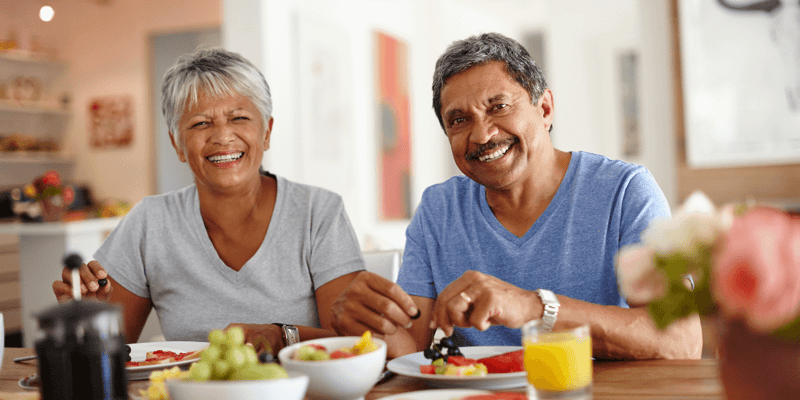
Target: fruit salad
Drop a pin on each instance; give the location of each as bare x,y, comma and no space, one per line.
447,359
317,352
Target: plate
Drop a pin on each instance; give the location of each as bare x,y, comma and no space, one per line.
139,353
408,365
436,394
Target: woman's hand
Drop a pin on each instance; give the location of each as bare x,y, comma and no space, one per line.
262,337
94,283
480,301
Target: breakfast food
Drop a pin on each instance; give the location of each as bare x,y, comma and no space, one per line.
164,357
226,358
447,359
316,352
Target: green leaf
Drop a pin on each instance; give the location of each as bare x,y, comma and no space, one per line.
677,303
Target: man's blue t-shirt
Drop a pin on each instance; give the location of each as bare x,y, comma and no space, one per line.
601,205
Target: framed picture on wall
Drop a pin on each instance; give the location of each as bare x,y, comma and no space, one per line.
740,63
393,107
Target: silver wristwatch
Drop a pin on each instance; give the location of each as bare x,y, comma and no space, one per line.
290,334
551,305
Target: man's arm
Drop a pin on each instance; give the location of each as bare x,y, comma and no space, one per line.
479,300
629,333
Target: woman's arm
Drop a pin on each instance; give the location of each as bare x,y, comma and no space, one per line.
260,335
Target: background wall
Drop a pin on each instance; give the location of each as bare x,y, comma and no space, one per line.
583,39
107,48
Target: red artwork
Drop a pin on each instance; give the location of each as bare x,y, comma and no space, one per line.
111,121
394,127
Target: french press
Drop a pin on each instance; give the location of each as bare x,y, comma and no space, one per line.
81,349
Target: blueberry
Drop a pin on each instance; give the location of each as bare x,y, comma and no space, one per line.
102,282
454,351
446,342
266,357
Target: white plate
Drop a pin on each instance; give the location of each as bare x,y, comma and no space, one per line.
139,353
408,365
436,394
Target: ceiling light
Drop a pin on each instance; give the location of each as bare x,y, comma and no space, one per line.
46,13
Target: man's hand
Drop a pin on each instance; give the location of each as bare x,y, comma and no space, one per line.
374,303
479,300
92,275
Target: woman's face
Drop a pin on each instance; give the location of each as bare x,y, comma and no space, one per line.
223,140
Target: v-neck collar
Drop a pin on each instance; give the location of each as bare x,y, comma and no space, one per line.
208,247
561,194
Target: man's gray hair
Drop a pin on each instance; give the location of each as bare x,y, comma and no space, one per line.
481,49
216,72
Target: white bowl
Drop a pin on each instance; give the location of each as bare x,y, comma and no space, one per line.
291,388
340,379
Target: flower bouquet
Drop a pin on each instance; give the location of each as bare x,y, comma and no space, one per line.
744,265
48,192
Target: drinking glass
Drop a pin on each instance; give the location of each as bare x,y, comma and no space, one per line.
558,362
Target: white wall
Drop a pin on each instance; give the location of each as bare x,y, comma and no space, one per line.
583,38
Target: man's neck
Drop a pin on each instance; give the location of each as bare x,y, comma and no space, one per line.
518,207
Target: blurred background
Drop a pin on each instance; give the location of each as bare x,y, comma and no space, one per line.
351,82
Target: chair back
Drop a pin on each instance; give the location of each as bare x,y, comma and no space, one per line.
385,263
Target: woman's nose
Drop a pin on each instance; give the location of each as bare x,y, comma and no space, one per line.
223,133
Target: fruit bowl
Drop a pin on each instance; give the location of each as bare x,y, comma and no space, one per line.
340,379
291,388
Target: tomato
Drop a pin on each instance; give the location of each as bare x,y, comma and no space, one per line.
427,369
504,363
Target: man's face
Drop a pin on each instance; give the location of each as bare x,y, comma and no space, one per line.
495,132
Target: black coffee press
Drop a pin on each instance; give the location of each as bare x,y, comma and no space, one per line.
81,348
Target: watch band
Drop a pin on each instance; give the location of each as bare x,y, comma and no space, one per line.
289,334
551,304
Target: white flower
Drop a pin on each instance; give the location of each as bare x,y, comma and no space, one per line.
638,281
696,224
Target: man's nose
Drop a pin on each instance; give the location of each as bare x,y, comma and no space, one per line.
483,131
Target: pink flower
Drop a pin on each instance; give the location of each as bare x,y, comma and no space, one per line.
638,281
756,275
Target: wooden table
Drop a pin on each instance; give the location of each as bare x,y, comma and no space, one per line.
658,379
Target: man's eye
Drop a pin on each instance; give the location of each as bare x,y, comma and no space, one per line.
500,106
456,121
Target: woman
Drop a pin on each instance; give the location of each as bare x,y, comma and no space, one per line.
240,246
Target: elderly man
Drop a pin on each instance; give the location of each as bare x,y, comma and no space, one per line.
530,232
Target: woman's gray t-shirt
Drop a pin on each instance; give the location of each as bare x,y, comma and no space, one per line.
161,251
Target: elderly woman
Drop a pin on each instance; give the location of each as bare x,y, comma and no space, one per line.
240,246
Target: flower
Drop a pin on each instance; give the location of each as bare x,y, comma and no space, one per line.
744,263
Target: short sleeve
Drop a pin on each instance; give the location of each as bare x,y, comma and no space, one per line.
122,253
415,275
335,249
642,203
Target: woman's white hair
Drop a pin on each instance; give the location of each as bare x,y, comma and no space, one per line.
216,72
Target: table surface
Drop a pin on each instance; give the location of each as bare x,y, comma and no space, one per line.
652,379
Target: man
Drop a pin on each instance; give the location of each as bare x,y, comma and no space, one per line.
526,216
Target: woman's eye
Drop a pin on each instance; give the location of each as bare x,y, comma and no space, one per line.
199,124
240,118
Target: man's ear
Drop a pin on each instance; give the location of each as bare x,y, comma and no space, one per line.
268,133
547,106
178,149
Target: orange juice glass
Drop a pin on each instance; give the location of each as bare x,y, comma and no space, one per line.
558,363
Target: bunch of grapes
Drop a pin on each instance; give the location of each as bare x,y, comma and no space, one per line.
228,358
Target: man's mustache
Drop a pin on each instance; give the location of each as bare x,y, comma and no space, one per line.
489,146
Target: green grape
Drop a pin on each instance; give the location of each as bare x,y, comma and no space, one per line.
200,371
236,357
235,336
211,354
220,370
258,372
217,337
250,352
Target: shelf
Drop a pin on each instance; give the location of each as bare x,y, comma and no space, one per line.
34,158
30,58
38,108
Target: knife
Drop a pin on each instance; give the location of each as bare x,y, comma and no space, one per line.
23,359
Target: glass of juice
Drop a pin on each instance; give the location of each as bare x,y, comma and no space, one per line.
558,362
